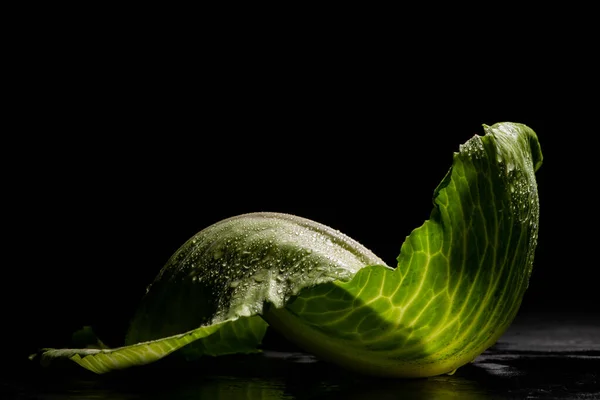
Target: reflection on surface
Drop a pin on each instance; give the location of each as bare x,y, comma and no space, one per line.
287,375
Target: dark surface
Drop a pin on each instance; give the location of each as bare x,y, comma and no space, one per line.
541,356
126,140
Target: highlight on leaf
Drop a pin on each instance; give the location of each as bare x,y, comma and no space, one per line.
457,286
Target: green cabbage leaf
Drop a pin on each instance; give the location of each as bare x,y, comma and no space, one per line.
458,284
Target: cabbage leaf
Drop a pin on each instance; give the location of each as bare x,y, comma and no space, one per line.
457,286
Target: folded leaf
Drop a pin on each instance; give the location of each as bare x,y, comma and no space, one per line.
458,285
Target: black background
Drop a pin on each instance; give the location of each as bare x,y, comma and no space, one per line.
122,148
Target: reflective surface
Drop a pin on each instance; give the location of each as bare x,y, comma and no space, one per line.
539,357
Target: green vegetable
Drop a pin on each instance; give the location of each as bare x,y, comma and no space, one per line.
458,285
